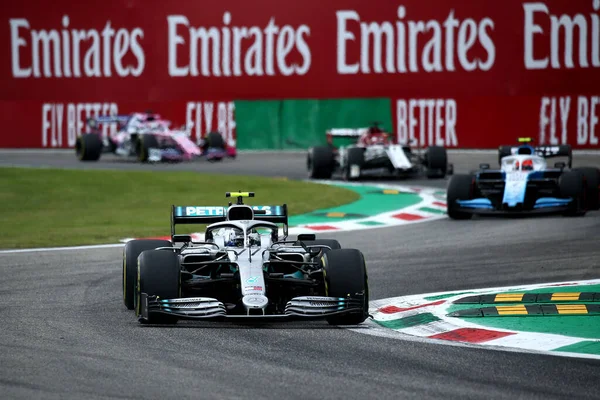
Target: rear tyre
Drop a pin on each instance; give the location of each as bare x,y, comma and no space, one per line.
159,275
215,140
143,145
503,151
131,253
88,147
565,150
334,244
460,187
437,162
320,162
572,184
345,275
592,186
355,157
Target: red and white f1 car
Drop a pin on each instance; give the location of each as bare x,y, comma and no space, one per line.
147,137
374,151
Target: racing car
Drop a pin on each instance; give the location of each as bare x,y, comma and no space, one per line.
243,270
374,151
147,137
525,184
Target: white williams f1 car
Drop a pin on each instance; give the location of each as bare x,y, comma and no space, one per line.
525,184
243,270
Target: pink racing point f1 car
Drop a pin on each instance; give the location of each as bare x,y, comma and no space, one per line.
148,138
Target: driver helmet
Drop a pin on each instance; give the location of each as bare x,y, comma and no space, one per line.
527,165
254,237
378,138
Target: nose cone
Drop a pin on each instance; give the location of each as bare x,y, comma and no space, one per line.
254,302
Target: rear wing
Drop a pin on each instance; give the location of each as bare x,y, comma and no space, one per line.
104,119
546,151
344,133
190,215
347,132
93,122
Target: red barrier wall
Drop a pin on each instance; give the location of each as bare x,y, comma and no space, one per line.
468,73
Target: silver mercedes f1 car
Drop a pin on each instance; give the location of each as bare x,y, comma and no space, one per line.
243,270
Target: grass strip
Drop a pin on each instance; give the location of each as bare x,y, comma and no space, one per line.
60,207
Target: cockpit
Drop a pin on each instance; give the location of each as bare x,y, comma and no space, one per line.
524,164
240,235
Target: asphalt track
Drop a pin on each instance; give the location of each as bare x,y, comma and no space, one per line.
66,333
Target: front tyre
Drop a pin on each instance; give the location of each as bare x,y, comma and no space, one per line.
437,162
320,162
88,147
460,187
131,252
355,159
345,276
159,274
572,184
592,186
144,143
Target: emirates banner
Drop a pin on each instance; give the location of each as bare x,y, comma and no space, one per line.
467,74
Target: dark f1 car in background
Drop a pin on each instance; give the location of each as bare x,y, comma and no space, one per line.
243,269
375,151
525,184
147,137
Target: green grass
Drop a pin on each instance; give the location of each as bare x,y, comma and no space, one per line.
56,207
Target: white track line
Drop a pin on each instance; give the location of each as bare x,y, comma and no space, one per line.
87,247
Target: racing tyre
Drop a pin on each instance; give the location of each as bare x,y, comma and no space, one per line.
131,253
437,162
460,187
572,184
355,156
215,140
320,162
565,150
345,275
143,145
592,186
88,147
503,151
334,244
159,275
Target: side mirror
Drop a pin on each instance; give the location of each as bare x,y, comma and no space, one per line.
484,166
182,238
560,165
307,236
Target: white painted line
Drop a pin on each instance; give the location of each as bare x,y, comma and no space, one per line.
86,247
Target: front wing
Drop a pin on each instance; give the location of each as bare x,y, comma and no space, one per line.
543,205
206,308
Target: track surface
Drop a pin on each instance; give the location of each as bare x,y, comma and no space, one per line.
66,333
